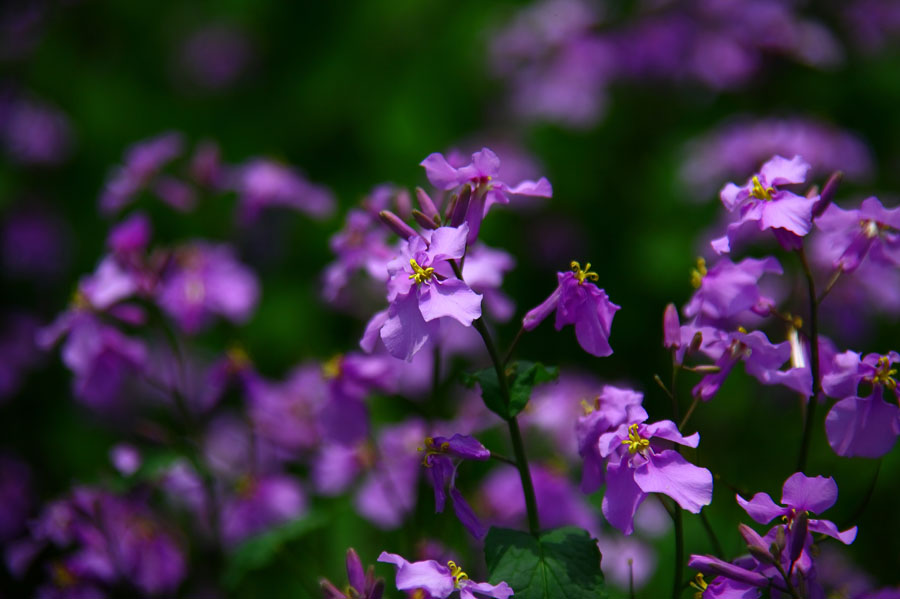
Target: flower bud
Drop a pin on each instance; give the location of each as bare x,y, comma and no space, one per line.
827,195
799,529
671,328
423,220
396,225
460,207
427,205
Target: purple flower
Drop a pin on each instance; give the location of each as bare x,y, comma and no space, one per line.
737,147
441,473
480,175
800,494
360,248
613,407
559,502
626,560
130,236
259,503
203,280
728,289
16,496
388,492
422,288
362,584
18,351
640,462
113,541
761,358
441,581
584,305
862,426
216,55
36,133
851,235
763,206
143,162
265,183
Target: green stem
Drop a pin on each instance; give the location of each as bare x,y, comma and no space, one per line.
717,547
679,550
814,362
515,434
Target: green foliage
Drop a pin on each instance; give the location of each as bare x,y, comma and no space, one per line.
259,551
564,562
521,378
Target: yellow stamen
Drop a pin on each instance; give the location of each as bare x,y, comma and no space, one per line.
583,273
884,374
420,275
431,449
587,407
759,192
80,300
458,574
700,585
698,273
332,368
63,577
238,357
635,442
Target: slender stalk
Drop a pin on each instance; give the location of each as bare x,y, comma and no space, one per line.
868,496
814,362
630,578
512,346
828,286
717,547
502,458
689,413
515,434
436,370
675,367
679,550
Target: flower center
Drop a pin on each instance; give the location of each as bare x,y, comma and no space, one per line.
635,441
759,192
431,449
884,374
420,275
583,273
698,273
457,572
699,585
332,368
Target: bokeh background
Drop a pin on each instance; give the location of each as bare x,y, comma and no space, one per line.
636,112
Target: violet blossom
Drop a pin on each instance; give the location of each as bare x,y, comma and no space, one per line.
584,305
640,461
441,473
422,288
728,289
203,280
263,183
142,163
763,206
362,584
852,235
441,581
862,426
480,176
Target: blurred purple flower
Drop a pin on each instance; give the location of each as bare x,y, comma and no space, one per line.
35,133
362,584
262,183
140,166
216,55
16,496
35,242
259,503
728,289
18,351
852,235
737,147
204,280
441,473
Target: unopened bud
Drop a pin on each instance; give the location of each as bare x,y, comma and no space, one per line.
696,341
799,529
755,545
423,220
403,201
828,192
396,225
427,205
671,328
460,207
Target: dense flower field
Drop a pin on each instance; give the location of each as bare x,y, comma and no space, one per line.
543,300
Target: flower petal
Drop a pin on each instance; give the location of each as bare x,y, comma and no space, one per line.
451,298
669,473
814,494
622,497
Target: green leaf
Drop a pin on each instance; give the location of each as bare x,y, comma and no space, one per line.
521,378
527,375
257,552
564,562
